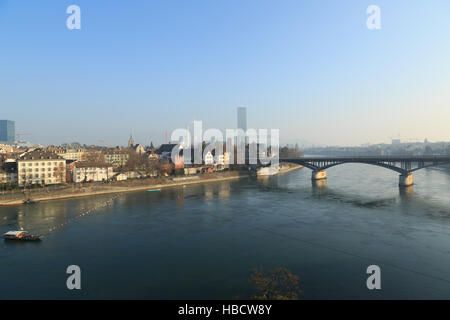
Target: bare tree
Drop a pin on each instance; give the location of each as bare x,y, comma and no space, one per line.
95,156
60,173
277,284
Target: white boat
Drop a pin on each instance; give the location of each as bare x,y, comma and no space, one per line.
20,236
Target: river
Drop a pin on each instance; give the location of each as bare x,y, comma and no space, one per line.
202,241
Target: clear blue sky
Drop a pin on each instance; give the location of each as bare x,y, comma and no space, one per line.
309,68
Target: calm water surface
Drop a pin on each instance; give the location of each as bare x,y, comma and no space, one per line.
201,242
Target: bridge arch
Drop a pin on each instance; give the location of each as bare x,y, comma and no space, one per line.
378,164
404,165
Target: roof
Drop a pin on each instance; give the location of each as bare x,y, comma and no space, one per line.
40,155
166,148
90,164
14,233
113,152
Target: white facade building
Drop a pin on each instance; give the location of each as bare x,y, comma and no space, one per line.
87,171
73,154
38,167
209,158
222,159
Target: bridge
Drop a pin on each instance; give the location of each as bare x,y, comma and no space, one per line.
405,165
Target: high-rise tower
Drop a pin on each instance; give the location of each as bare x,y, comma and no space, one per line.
7,131
241,125
242,118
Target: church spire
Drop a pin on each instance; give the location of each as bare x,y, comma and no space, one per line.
131,142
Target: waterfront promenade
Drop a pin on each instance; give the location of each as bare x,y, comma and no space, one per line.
91,189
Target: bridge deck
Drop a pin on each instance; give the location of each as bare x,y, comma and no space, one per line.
401,164
374,158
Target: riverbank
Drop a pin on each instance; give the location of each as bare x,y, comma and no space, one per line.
283,168
289,167
129,186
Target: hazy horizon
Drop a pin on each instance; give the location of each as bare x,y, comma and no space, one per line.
146,68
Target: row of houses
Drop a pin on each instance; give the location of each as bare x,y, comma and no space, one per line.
54,165
209,158
48,168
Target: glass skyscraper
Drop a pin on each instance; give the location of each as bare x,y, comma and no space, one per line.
242,125
242,118
7,131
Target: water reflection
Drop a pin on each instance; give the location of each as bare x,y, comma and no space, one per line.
183,242
319,184
406,193
208,192
224,191
266,181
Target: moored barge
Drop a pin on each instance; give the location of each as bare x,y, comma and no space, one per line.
21,236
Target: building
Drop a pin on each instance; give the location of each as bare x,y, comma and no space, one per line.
4,149
165,150
241,124
86,171
74,154
139,149
179,160
242,118
121,177
221,159
41,167
117,158
152,155
131,142
68,154
7,131
209,158
8,172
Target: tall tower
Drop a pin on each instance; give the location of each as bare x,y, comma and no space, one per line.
7,131
241,124
131,142
242,118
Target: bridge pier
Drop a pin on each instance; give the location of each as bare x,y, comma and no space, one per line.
319,184
319,175
406,180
